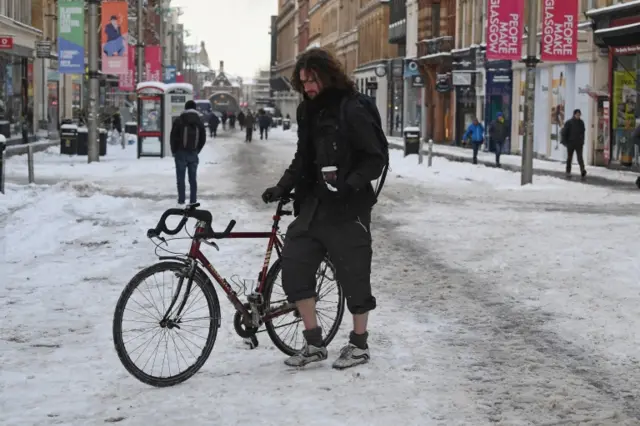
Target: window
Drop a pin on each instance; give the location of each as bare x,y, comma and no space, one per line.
435,20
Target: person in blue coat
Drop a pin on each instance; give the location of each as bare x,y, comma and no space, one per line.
475,132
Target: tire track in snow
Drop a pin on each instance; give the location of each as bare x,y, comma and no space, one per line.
520,370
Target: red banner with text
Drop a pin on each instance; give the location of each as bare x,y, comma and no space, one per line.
505,29
127,82
559,31
153,65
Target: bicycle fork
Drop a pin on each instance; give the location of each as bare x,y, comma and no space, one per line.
189,275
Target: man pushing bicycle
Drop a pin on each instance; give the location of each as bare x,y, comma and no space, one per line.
341,149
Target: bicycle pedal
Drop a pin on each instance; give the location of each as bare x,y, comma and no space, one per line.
252,342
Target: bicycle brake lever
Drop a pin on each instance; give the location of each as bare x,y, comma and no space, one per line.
212,244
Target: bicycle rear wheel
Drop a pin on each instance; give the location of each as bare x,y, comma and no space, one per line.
146,301
286,330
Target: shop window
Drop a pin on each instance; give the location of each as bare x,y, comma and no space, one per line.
623,109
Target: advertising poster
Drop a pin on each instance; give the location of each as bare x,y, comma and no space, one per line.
152,63
559,31
623,107
541,119
114,41
557,116
127,82
505,29
71,36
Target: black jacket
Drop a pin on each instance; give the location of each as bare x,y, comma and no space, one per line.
573,133
192,118
214,121
499,131
359,158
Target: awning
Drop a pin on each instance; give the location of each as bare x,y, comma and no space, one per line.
280,84
623,35
608,35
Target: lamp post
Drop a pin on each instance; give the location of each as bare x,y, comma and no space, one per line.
531,60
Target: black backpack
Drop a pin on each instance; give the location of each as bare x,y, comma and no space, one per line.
190,137
370,105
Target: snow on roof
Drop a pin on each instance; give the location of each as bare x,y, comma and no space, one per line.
151,84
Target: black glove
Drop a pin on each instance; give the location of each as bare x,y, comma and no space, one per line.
273,194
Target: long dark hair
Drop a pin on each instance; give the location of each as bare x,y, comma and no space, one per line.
326,66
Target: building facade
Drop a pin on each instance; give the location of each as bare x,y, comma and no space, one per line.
285,100
372,74
436,35
346,44
17,69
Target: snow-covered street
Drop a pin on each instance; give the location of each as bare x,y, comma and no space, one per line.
497,304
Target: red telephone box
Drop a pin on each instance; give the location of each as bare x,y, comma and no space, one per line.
151,119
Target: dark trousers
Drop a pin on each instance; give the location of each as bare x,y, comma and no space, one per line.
348,243
187,162
579,157
249,134
476,147
264,131
214,131
499,145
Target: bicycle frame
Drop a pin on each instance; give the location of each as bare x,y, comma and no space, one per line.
274,242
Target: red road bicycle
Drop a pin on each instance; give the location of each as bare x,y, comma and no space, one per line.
163,321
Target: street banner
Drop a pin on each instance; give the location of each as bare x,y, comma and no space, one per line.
505,29
559,31
153,63
71,36
127,82
114,42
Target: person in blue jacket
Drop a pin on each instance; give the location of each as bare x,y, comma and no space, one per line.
475,132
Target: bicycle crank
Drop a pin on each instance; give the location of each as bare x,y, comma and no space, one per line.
248,334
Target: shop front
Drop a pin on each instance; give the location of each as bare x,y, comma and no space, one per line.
435,61
498,97
371,79
395,95
413,86
617,28
16,106
463,78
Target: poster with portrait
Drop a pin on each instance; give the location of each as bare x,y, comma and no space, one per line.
558,113
114,41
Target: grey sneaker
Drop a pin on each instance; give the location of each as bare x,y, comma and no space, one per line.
306,356
350,356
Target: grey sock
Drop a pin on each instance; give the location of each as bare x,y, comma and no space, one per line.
359,340
313,336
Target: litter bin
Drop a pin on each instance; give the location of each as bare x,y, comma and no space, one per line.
5,129
83,141
102,142
286,124
131,128
68,139
412,143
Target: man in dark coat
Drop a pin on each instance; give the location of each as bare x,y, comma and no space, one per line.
499,132
331,172
572,136
214,122
249,120
264,121
241,120
188,136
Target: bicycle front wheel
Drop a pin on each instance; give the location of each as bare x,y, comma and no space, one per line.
160,347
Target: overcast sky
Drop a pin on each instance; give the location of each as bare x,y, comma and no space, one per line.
234,31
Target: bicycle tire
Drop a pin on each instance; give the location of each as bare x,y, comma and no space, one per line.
201,280
273,273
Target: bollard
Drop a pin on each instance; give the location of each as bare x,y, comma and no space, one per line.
30,163
430,155
2,164
420,151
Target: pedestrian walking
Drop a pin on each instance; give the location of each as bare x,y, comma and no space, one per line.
499,132
572,136
475,132
188,136
249,120
214,122
341,149
264,122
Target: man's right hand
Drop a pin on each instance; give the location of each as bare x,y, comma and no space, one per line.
273,194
